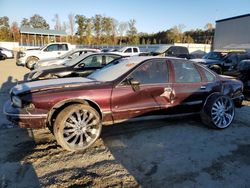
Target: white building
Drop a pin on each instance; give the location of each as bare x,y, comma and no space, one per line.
232,33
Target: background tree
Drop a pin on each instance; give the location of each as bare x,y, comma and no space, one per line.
132,32
25,22
121,30
37,21
80,20
209,26
5,34
97,27
88,31
106,28
58,25
15,31
71,18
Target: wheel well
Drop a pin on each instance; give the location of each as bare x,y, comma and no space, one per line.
59,107
28,58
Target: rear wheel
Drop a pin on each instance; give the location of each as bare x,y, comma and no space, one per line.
218,112
31,62
77,127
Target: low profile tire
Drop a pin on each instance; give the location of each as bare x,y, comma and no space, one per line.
31,62
77,127
218,112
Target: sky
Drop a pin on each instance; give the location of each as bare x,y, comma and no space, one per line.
151,15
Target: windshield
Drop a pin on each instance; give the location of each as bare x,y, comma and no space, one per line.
113,70
122,49
76,60
215,55
161,49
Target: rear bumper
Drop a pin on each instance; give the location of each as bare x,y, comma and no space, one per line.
25,118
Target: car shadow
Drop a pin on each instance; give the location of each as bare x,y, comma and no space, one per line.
146,149
16,144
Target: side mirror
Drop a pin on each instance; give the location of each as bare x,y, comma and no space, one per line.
81,65
70,57
135,84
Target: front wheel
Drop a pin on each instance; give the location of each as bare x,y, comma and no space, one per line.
218,112
77,127
31,62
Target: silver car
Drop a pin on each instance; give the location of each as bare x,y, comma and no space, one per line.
61,59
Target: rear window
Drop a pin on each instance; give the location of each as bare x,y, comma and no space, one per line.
185,72
135,50
63,47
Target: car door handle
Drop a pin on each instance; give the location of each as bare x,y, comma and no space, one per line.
203,87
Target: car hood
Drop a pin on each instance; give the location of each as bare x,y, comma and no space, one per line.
50,67
49,62
30,87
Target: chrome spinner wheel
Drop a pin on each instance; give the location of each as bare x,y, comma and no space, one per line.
222,112
77,127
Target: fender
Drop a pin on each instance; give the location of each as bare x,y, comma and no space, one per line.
62,104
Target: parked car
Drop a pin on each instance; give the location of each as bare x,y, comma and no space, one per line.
2,56
61,59
7,54
83,65
224,60
242,72
29,57
169,51
75,109
128,51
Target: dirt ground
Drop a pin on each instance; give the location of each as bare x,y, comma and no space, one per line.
179,152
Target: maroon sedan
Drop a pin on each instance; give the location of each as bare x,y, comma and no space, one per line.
76,108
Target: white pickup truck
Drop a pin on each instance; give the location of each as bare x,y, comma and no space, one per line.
128,51
29,57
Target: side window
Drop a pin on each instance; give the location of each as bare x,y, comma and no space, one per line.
63,47
151,72
185,72
210,77
135,50
92,61
51,48
129,50
110,58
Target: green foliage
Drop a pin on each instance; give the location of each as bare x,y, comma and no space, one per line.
37,21
25,22
5,34
4,22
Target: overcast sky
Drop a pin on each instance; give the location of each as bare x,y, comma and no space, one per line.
150,15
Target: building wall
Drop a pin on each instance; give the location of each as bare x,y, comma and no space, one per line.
232,33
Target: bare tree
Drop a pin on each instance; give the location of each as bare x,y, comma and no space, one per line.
71,18
121,29
57,21
209,26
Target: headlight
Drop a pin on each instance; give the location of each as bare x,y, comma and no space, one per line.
16,101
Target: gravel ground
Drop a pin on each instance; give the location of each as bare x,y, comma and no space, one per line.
176,152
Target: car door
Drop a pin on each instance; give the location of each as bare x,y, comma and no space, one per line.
191,86
51,51
144,91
